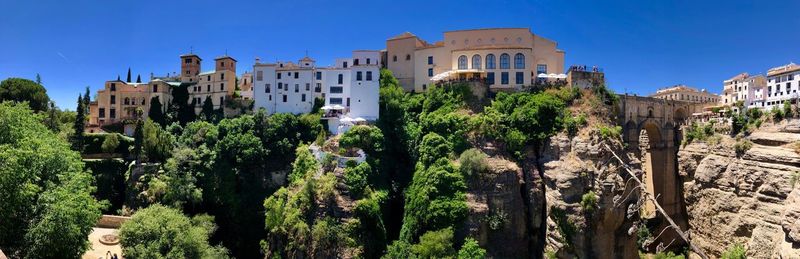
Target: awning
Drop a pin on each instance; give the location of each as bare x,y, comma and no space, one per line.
552,75
442,76
337,107
359,119
326,107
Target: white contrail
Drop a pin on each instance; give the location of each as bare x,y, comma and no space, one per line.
62,56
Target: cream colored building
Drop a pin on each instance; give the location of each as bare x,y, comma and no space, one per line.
120,100
504,58
686,94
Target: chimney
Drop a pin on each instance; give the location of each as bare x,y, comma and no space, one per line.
258,60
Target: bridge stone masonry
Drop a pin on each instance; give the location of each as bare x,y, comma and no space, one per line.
658,122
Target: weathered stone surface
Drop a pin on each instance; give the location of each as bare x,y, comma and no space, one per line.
748,199
571,168
774,138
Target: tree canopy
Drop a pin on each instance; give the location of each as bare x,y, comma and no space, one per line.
24,90
47,207
162,232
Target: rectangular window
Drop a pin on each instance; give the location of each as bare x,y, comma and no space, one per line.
188,61
260,75
541,69
279,75
266,88
296,74
341,79
209,78
221,100
296,88
369,75
358,76
303,97
430,72
270,97
355,62
318,89
345,64
113,99
155,88
368,61
336,89
113,113
308,86
335,101
113,87
520,78
208,88
222,86
102,112
504,78
430,60
222,76
319,75
348,101
280,86
490,78
284,98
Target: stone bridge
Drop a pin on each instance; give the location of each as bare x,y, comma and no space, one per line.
660,121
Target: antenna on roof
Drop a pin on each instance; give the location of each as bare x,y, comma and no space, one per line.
191,49
226,52
306,53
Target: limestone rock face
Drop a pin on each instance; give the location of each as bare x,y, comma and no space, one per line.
498,215
748,199
571,168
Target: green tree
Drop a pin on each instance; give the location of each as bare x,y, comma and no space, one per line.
356,178
736,251
138,78
138,140
305,165
368,138
48,209
472,162
110,143
181,110
38,79
433,147
207,112
156,112
156,142
435,199
162,232
371,231
24,90
471,250
129,76
86,100
79,126
435,244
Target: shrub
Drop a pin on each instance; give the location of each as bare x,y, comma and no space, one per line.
741,146
668,255
471,250
110,143
473,162
610,132
777,114
642,235
787,109
435,244
160,232
736,251
573,123
589,202
794,178
356,178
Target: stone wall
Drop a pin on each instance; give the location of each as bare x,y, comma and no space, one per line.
111,221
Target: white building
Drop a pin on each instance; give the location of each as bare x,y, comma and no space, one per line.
743,87
782,85
284,87
350,88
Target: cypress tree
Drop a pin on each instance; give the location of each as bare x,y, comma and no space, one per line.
79,126
86,100
129,76
156,112
207,113
38,79
138,78
118,78
138,139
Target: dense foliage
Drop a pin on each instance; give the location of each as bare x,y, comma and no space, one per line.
47,207
162,232
24,90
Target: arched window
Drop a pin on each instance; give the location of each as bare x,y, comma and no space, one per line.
462,62
504,61
408,57
519,61
143,101
476,61
127,101
490,61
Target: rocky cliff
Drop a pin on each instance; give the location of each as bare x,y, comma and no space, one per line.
749,198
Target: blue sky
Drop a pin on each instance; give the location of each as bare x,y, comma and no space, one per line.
642,45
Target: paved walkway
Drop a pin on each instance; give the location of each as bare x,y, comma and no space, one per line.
99,250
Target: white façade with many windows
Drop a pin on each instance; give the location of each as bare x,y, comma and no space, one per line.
284,87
